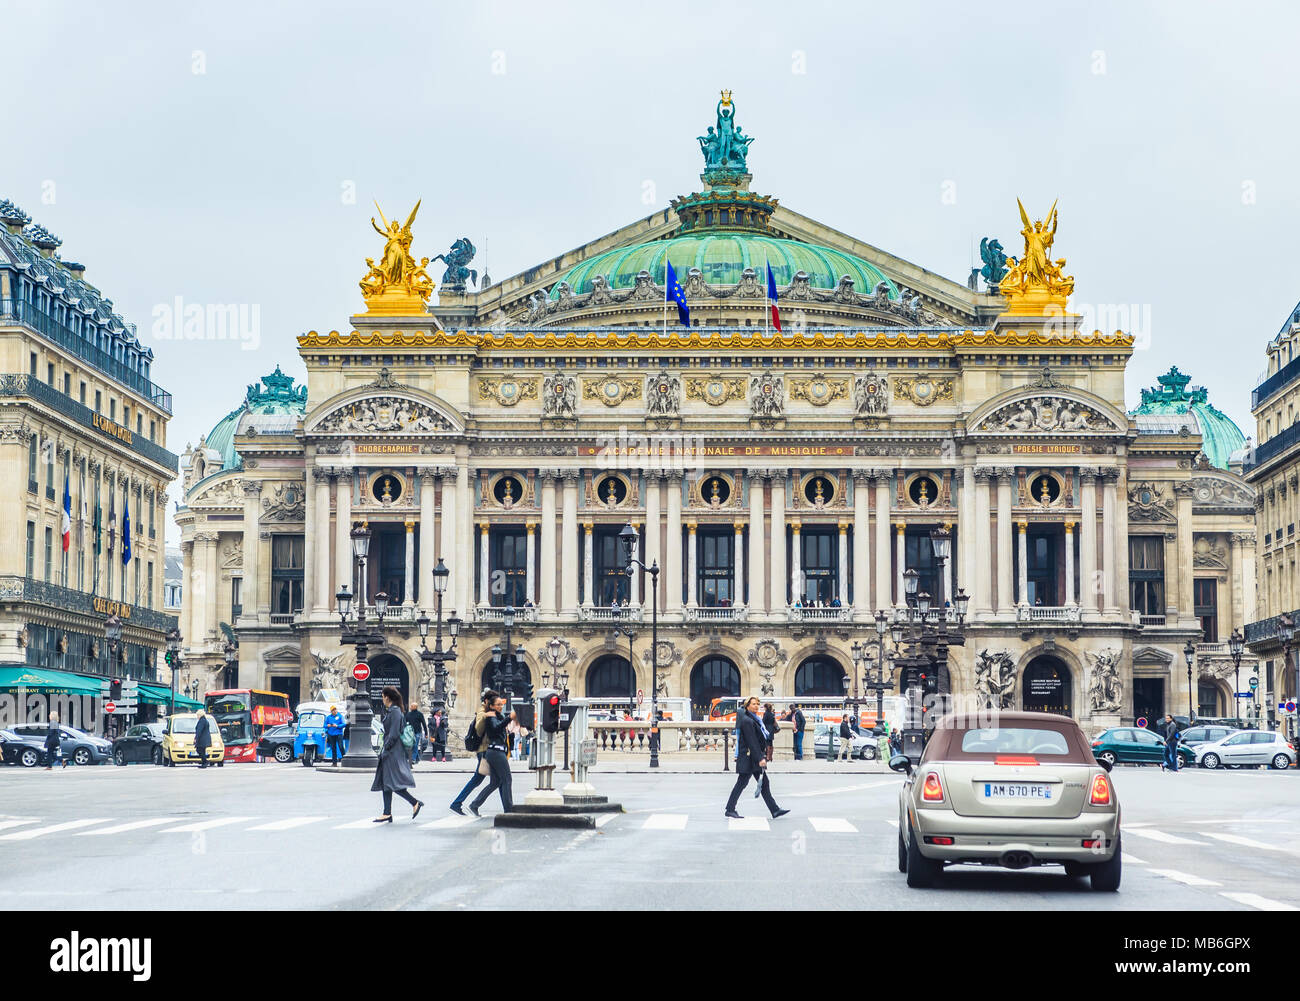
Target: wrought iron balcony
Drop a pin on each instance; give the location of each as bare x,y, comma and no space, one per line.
1268,630
14,588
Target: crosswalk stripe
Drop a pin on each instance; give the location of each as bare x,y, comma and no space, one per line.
891,822
205,825
1237,839
37,832
285,825
1131,860
605,818
356,825
748,824
665,822
832,825
1183,877
6,824
1262,903
450,821
1169,839
134,825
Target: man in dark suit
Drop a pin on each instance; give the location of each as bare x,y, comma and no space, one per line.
202,739
751,759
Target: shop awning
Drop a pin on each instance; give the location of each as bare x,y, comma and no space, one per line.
48,682
161,695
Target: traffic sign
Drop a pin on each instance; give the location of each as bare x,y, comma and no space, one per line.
1142,721
1254,682
640,696
110,707
1242,695
362,671
1289,708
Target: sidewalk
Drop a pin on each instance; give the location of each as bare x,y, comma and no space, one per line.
615,762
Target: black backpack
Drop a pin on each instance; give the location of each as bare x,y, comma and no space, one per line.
472,739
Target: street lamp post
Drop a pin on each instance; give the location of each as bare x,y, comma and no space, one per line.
628,537
438,656
1189,652
360,754
1236,642
230,654
1286,630
173,658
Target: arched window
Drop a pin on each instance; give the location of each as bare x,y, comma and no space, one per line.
819,677
712,678
520,681
610,677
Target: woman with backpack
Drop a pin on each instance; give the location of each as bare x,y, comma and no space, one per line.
475,741
495,753
393,773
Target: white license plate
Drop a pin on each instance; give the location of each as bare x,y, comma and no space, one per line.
1017,790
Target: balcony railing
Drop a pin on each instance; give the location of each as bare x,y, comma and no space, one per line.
493,613
796,614
52,330
1068,614
612,616
1151,620
1284,376
13,588
715,613
1272,448
1264,630
283,618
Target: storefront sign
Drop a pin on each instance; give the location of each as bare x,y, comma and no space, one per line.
114,430
106,606
1045,687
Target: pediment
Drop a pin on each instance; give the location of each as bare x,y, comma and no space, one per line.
1221,491
218,491
1051,410
1152,656
384,411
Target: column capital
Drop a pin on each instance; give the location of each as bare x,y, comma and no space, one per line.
1185,489
252,488
1088,474
985,473
844,527
900,527
321,475
1244,538
427,475
739,525
570,476
410,526
1110,474
1023,526
795,525
1069,527
691,526
187,545
862,477
530,527
587,525
1005,473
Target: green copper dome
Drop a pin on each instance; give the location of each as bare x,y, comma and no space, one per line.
1219,433
276,397
722,257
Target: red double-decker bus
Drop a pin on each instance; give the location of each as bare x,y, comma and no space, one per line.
243,715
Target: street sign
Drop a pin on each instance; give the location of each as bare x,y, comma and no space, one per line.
640,696
1142,721
1289,708
586,753
1254,682
1242,695
362,671
110,707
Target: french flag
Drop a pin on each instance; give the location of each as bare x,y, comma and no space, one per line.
67,514
771,296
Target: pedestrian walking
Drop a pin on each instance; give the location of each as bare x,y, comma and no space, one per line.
53,748
393,773
515,736
846,739
438,735
495,755
1171,744
752,761
415,719
799,723
202,739
335,724
771,726
481,769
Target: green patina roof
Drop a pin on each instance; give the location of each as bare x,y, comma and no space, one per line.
722,257
1220,434
276,395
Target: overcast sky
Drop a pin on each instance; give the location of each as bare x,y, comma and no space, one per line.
229,152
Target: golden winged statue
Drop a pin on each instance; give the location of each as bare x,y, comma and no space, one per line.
1035,275
396,285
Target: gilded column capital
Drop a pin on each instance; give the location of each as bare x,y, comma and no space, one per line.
691,526
410,525
530,527
588,526
1069,527
843,527
739,526
900,527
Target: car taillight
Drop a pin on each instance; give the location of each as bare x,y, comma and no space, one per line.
1100,791
1015,759
1096,743
932,789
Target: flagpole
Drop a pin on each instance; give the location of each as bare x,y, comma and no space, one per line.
666,291
767,305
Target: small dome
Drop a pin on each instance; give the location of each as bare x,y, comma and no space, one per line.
1219,433
266,409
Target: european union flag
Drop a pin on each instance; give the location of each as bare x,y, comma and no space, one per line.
675,293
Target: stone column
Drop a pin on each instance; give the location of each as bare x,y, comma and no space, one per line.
465,535
966,529
900,559
777,580
309,569
1069,563
1088,591
1110,549
212,540
188,573
884,597
672,580
530,567
321,582
252,598
484,564
692,565
796,561
1006,600
1186,548
757,545
653,521
1245,577
947,573
738,570
982,543
588,567
861,542
842,585
569,545
634,582
1022,584
447,516
428,561
546,602
1122,589
1173,608
343,533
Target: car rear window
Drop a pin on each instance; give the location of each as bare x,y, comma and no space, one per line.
1046,740
1015,740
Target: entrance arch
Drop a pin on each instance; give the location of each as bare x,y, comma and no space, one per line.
712,678
819,677
522,674
1047,687
386,669
610,677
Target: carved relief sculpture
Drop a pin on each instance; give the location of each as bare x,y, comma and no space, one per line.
995,679
384,413
766,395
922,390
560,396
1104,687
818,390
1046,413
870,394
663,394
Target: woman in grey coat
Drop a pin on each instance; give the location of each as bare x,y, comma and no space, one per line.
393,773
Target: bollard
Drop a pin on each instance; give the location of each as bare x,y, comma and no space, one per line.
726,750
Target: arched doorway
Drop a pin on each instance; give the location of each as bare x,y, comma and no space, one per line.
610,677
385,669
519,682
1047,687
712,678
819,678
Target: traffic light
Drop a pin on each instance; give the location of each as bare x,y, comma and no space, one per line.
115,690
929,684
524,687
551,712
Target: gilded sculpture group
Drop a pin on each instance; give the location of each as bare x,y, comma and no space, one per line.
397,270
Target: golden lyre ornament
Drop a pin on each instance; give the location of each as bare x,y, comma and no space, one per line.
396,286
726,99
1035,283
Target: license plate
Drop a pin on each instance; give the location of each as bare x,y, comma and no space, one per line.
1017,790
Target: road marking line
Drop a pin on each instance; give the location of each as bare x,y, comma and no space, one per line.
1240,820
134,825
205,825
1169,839
605,818
52,829
6,824
892,823
1263,903
358,824
1183,877
285,825
665,822
748,824
443,823
832,825
1131,860
1237,839
840,789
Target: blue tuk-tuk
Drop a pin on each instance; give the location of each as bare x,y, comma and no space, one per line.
310,743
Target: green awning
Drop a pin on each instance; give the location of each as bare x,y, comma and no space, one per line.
161,695
48,682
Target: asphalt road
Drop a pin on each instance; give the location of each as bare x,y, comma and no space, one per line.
281,836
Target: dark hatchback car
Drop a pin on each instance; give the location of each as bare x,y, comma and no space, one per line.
16,749
76,746
277,743
142,743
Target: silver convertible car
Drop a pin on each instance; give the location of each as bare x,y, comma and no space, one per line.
1008,789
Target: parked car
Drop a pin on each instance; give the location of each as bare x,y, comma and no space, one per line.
277,742
178,740
1204,733
16,749
76,746
1135,745
1023,790
139,743
864,744
1247,749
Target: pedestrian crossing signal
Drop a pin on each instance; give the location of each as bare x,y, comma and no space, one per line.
551,712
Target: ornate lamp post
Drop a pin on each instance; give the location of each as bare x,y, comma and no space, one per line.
628,537
1189,652
1286,631
438,656
1235,644
505,662
173,655
230,654
359,634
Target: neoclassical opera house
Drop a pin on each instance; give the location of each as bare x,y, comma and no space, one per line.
784,481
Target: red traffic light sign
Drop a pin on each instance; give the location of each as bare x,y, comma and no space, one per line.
110,707
362,671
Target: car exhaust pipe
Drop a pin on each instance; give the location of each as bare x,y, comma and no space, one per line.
1017,860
